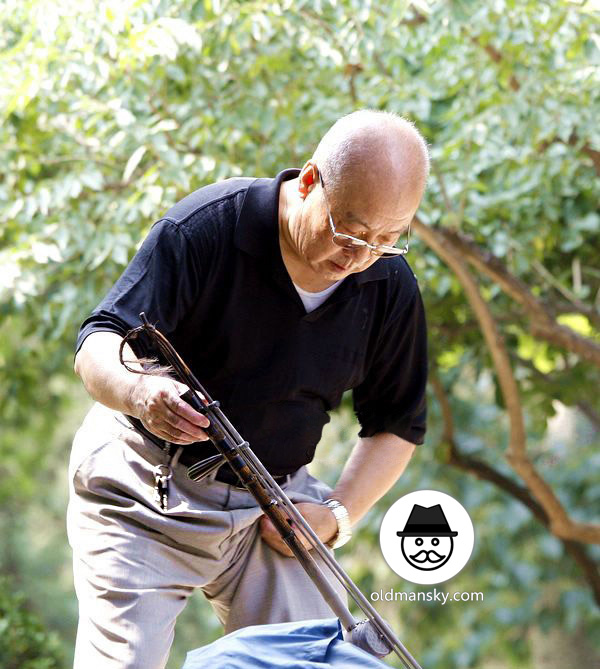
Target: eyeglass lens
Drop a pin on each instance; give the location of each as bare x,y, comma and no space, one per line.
349,242
355,244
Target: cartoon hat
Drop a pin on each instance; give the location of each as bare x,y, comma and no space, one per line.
427,521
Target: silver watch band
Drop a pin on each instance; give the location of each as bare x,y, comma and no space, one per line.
343,522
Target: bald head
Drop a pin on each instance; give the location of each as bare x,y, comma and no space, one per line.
374,151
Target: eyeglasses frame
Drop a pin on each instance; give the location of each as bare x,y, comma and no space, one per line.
393,251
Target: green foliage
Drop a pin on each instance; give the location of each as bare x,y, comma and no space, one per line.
526,576
110,112
24,643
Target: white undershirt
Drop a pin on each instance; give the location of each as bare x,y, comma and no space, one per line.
312,300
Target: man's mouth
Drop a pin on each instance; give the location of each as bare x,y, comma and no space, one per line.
339,268
427,556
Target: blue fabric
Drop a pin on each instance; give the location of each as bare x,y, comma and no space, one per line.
308,644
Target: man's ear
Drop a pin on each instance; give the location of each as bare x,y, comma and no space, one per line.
308,178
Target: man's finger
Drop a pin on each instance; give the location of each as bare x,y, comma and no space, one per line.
176,422
273,538
168,435
183,409
276,543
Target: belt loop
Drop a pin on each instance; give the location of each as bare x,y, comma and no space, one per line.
175,459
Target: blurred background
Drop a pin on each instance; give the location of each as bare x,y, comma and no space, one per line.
112,110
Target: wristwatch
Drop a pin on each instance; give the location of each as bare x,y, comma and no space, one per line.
343,522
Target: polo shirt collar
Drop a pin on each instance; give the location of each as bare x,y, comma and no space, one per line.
257,227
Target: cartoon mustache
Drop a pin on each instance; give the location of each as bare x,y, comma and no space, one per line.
424,556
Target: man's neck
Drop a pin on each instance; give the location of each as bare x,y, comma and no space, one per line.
299,273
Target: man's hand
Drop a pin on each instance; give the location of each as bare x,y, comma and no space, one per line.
318,516
157,403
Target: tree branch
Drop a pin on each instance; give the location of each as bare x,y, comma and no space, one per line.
560,523
541,323
554,384
475,466
574,140
497,57
351,70
485,472
573,301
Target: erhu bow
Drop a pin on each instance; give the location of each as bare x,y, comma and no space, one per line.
373,634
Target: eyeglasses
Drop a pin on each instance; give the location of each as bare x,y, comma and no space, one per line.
354,243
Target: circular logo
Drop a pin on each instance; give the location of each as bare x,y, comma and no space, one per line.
426,537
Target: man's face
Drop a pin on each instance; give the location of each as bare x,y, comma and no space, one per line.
363,210
427,553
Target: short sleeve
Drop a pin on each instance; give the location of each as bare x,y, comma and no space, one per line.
161,280
392,397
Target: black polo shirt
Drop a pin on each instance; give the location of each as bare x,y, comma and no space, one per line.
210,276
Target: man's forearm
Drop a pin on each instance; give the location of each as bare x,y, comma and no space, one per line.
105,379
155,399
374,466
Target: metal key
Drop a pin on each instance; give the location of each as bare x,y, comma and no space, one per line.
162,474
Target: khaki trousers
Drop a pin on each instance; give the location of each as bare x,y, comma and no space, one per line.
135,565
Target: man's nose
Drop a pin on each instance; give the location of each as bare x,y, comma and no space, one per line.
359,255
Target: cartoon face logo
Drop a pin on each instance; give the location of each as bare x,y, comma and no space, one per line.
424,543
427,553
427,540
